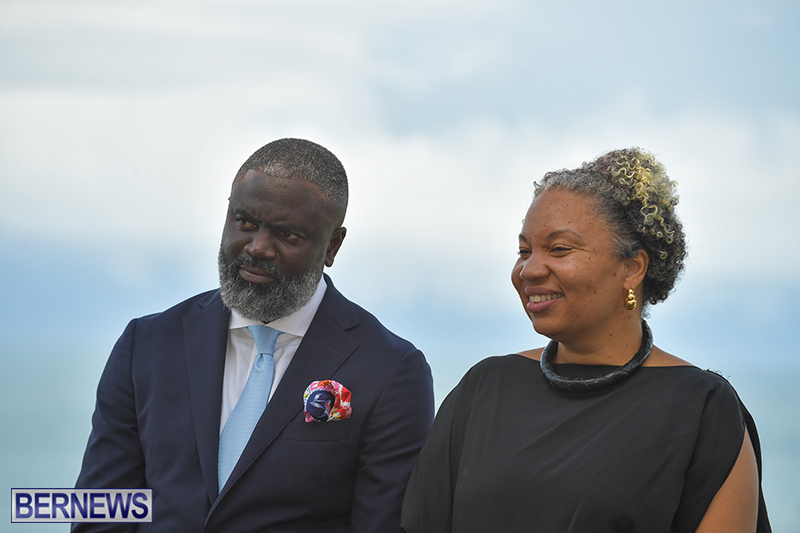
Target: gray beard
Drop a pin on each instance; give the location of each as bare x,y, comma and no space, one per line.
262,302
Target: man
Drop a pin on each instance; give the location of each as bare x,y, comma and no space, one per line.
167,400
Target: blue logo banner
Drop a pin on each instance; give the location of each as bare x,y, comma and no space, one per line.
81,505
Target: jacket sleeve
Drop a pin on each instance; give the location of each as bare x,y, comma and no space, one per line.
393,436
114,457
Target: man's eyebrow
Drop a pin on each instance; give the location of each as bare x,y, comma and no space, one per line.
293,228
243,211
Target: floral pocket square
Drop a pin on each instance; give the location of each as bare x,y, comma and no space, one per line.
326,400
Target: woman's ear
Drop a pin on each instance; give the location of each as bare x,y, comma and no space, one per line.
637,268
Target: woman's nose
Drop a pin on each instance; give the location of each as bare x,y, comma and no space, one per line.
533,267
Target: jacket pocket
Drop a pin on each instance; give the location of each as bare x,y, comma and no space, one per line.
299,429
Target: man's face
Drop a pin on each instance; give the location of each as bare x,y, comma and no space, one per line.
279,235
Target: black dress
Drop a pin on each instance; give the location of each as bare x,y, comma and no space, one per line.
508,453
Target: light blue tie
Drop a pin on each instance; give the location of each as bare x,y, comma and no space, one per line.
251,403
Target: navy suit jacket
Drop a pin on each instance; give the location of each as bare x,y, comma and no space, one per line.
157,421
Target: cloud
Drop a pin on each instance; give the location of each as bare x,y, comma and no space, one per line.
123,125
156,170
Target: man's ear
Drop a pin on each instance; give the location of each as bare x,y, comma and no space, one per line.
333,246
637,268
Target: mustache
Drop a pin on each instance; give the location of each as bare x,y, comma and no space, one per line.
263,264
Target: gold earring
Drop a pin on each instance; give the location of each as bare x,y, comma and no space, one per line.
630,301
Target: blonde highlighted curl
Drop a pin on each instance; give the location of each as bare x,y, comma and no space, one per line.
637,199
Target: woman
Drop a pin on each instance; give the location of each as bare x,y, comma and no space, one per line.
600,431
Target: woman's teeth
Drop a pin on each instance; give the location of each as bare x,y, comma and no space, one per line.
543,298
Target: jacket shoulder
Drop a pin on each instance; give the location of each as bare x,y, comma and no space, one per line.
198,301
360,323
370,323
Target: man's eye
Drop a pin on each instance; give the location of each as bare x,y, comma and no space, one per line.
289,237
244,223
561,249
523,252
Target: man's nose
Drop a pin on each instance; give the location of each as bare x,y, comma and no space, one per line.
261,245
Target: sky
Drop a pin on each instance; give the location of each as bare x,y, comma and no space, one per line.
123,123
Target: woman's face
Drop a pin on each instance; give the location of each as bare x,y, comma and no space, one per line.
570,280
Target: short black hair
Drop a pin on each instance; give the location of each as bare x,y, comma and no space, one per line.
303,160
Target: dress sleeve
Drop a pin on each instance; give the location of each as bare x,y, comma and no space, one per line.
719,441
428,503
763,525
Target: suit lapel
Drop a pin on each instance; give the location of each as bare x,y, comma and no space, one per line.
325,347
206,340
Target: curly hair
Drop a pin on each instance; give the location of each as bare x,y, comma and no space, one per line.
637,200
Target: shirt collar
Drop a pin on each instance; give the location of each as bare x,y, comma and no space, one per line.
296,324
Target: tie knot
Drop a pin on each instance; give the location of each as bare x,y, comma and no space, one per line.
265,338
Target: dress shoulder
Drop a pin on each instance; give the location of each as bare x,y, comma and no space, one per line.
497,366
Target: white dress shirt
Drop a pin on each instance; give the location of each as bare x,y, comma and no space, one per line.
241,351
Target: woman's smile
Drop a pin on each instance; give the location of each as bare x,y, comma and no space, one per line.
539,302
